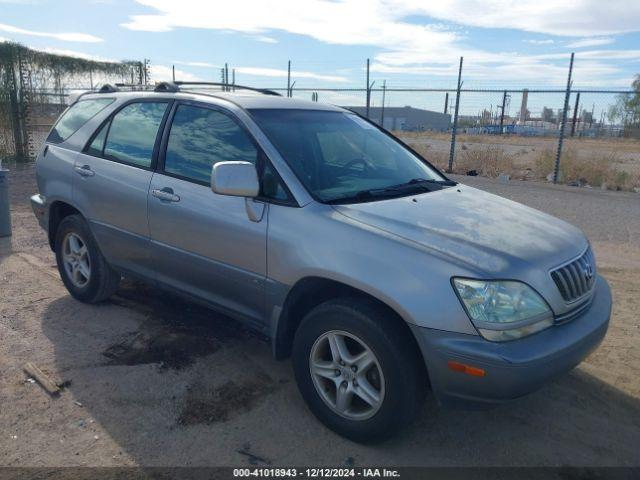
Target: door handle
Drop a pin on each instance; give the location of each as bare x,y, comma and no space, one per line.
166,194
84,171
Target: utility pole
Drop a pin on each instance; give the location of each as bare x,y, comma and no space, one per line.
575,114
502,107
368,90
454,129
288,78
556,169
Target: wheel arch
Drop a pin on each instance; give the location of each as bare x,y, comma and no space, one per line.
310,292
58,210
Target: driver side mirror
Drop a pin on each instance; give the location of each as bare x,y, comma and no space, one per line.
237,179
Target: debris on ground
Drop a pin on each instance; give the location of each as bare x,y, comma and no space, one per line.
49,385
252,457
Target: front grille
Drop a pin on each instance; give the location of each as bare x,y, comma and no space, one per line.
576,279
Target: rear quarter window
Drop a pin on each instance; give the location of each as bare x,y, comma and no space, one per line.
75,117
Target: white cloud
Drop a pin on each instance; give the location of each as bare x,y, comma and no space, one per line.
431,48
358,22
591,42
265,39
67,37
275,72
569,18
160,73
197,64
547,41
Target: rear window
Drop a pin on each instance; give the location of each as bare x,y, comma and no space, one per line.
77,115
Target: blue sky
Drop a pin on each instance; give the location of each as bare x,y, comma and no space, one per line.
506,44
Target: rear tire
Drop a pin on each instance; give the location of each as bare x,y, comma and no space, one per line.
393,384
84,271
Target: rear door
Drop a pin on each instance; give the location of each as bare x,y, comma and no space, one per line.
202,243
111,181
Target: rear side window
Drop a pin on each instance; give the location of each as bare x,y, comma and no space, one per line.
132,134
76,116
201,137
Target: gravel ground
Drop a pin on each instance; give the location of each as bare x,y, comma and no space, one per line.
158,381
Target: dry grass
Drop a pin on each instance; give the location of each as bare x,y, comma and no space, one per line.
620,144
488,162
609,163
598,169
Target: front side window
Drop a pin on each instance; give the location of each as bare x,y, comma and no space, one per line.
201,137
338,156
133,132
75,117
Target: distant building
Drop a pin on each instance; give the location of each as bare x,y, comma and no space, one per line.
408,119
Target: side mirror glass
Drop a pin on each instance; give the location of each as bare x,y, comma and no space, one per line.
237,179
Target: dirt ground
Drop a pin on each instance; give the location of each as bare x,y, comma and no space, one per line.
153,380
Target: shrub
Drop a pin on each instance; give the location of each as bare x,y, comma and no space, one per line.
488,162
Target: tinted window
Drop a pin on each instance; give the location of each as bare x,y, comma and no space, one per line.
133,131
201,137
97,144
77,115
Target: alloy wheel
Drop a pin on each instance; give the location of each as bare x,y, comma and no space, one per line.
347,375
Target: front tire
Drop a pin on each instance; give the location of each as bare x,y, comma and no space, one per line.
84,271
358,370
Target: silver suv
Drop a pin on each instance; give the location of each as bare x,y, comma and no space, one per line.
380,276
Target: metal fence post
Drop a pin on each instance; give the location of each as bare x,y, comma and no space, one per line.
5,215
288,78
446,102
575,114
454,129
556,168
384,91
368,89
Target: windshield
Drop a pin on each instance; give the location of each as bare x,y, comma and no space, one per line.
340,157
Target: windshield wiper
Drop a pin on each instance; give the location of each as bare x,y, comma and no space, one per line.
407,188
444,183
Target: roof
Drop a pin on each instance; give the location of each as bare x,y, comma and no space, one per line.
246,99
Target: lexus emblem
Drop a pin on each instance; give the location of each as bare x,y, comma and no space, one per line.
588,271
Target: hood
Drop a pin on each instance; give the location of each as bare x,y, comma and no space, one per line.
488,233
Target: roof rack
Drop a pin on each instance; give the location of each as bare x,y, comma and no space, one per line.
107,88
264,91
175,87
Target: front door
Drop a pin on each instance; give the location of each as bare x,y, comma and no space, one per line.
202,243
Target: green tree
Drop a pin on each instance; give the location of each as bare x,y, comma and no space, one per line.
626,110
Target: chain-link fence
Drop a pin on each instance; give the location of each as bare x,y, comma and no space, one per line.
34,90
575,134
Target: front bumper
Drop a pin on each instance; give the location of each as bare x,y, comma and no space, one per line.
39,207
512,369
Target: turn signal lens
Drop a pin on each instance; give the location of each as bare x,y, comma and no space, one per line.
468,369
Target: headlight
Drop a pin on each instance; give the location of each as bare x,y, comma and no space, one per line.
503,310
